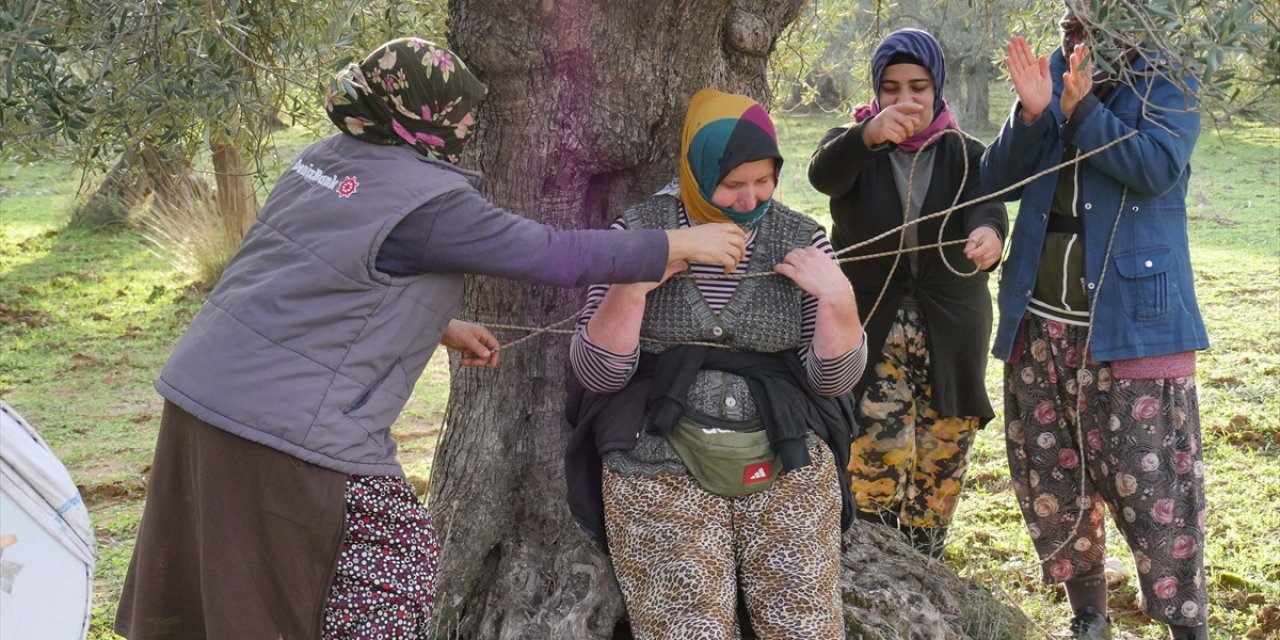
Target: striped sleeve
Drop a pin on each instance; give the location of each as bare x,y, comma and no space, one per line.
598,369
838,375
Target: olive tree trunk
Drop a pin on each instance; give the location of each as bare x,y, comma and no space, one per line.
237,199
586,102
150,171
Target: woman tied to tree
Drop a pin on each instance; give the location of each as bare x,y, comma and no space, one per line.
1099,323
924,401
712,432
276,507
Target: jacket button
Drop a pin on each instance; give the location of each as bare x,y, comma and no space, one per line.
1044,216
730,402
1027,293
1088,206
1147,264
1135,209
1091,286
717,331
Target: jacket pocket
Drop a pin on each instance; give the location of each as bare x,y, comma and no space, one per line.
364,396
1144,282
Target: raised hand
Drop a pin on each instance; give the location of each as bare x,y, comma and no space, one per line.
1077,82
1030,76
893,124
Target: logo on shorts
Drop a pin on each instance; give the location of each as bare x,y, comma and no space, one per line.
757,473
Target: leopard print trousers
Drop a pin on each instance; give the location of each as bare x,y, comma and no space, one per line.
681,553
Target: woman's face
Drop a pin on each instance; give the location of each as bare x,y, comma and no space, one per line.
908,83
749,184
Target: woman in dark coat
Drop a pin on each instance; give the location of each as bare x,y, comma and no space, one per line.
924,400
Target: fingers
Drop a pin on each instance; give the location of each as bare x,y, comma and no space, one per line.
471,360
905,107
734,241
707,243
478,346
1020,54
983,247
486,339
898,122
736,238
730,263
1079,57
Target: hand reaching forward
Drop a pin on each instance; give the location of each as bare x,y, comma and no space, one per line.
709,243
1030,76
984,247
894,124
478,347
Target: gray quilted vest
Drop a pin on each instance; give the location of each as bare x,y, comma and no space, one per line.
303,346
764,314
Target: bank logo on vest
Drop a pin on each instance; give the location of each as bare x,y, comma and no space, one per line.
344,187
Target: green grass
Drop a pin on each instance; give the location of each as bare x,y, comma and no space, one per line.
87,318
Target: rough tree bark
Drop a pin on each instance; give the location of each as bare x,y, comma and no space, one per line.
586,101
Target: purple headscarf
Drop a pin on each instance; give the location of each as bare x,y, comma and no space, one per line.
917,47
912,43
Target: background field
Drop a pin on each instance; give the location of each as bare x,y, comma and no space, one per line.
87,318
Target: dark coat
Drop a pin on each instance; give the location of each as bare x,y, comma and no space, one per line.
789,410
957,310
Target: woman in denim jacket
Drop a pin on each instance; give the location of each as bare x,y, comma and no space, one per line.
1099,326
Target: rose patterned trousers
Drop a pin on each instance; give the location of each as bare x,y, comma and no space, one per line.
1135,446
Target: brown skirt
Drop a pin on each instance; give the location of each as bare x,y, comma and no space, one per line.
237,540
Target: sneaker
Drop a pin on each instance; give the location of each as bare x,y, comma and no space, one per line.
1089,624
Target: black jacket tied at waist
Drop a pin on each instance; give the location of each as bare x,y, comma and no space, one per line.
789,410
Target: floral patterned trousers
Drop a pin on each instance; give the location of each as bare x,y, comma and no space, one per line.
385,585
1140,456
909,462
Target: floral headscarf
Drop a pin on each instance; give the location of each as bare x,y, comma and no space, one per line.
721,132
408,91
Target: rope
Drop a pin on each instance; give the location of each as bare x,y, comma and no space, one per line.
553,328
1084,360
534,332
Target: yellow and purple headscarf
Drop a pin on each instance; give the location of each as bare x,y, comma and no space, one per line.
408,91
721,132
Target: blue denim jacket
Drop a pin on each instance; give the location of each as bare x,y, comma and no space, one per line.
1144,304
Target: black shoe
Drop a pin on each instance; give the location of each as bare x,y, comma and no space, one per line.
1090,625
